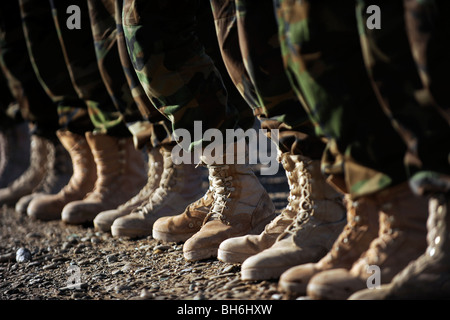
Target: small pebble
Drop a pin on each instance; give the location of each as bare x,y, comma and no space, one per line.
121,287
117,271
161,248
50,266
112,258
276,296
95,240
23,255
7,257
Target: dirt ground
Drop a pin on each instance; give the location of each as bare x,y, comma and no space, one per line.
76,262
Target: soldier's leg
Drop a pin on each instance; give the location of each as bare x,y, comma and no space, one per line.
121,169
427,30
177,75
396,81
80,56
321,45
185,85
36,106
49,64
420,117
248,34
14,137
324,62
104,32
142,118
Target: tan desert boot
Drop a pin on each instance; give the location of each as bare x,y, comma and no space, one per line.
401,239
58,175
14,153
27,182
181,227
121,174
428,277
49,207
104,220
180,185
241,206
319,221
236,250
361,228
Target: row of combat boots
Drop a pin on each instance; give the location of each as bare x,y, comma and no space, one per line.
322,244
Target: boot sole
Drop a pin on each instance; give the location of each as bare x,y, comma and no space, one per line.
324,292
128,233
168,237
263,273
206,253
292,288
104,227
232,257
201,254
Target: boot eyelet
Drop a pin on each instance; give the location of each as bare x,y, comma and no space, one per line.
437,240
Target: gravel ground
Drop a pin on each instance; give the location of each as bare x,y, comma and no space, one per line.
106,268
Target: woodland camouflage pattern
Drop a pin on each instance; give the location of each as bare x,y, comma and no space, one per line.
50,65
79,52
407,72
248,37
36,106
122,83
320,43
177,75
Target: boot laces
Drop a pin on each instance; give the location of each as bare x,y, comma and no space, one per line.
351,227
222,188
169,179
305,203
386,238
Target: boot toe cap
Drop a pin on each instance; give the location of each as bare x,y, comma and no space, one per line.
336,284
22,205
79,212
105,219
238,249
45,208
132,226
295,279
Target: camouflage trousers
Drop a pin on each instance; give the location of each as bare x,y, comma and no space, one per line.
409,68
362,88
179,77
322,52
78,86
23,84
123,83
10,114
248,37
